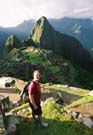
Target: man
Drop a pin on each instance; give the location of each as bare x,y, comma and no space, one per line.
34,93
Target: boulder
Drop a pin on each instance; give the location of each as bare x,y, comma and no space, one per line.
90,93
87,121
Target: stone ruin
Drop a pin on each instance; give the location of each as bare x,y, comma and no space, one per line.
4,106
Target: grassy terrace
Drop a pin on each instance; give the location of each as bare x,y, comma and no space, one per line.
83,100
79,91
58,123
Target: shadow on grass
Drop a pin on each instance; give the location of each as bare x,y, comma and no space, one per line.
56,127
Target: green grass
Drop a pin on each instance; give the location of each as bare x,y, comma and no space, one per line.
58,124
83,100
56,127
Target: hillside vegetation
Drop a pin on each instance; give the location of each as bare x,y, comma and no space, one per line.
20,63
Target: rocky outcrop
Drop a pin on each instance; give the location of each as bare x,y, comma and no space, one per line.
85,119
44,34
2,125
12,42
7,125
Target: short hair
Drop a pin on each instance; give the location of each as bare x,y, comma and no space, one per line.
36,71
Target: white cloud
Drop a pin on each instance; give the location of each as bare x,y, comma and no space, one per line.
81,10
13,12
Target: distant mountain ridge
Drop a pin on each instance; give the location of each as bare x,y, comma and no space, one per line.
21,31
82,29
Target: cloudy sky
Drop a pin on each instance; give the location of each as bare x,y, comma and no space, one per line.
13,12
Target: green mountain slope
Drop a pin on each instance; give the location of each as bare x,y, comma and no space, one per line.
56,67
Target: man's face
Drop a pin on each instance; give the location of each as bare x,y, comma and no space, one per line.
37,76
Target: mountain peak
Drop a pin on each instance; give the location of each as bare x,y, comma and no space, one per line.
42,21
43,17
42,27
12,42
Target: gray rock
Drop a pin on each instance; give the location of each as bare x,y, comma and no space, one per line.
3,132
87,121
14,121
11,129
51,99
